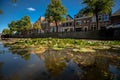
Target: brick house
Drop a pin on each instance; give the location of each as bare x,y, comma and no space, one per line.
49,27
53,27
84,23
35,31
79,23
44,24
68,25
115,18
103,22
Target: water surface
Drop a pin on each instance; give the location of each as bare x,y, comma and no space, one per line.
57,65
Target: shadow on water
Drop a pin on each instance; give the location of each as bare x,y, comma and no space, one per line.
20,64
24,53
1,75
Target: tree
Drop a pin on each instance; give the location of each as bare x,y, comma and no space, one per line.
13,26
55,12
96,7
37,26
26,23
20,25
6,31
23,24
48,17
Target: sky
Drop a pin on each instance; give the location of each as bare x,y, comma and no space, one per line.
36,8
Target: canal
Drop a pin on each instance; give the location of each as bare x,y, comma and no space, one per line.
58,65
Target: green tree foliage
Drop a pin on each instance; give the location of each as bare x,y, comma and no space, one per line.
96,7
37,26
48,17
20,25
13,26
55,12
6,31
25,23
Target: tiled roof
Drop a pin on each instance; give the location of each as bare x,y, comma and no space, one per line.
116,13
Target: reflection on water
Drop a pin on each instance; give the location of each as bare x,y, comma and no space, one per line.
20,64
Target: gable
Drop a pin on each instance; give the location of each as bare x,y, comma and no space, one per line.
68,17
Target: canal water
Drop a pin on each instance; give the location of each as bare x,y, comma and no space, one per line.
56,65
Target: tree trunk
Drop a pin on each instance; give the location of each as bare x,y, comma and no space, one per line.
56,25
97,21
48,26
74,26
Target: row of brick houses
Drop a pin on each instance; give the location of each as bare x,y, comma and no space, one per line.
84,23
79,23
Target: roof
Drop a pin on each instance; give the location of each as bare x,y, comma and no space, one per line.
69,16
116,13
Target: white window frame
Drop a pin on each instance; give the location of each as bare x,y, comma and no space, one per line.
84,21
80,22
93,19
88,20
100,17
106,17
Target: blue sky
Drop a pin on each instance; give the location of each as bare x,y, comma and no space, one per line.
35,9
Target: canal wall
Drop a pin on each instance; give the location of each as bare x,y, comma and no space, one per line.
100,35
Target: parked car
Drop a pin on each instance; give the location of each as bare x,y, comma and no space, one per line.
117,25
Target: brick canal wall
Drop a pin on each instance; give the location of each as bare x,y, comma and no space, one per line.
100,35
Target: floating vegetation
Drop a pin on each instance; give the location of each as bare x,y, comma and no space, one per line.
89,59
77,45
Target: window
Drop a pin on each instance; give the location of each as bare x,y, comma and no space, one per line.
78,29
71,30
102,28
84,21
106,17
68,18
66,30
100,18
80,15
66,24
85,29
93,27
70,24
63,25
78,23
87,20
94,19
77,16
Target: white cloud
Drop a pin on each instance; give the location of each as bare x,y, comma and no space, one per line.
31,9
